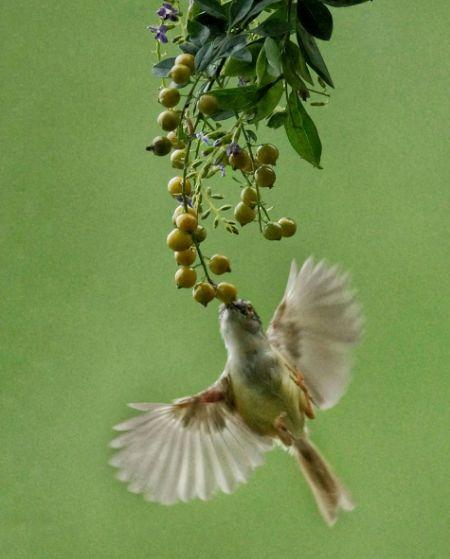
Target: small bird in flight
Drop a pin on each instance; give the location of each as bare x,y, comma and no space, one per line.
272,382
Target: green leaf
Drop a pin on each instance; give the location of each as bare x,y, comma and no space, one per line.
212,7
223,115
190,48
261,68
243,54
277,119
343,3
237,98
162,69
315,18
235,66
312,54
197,33
273,54
268,102
294,68
259,7
238,10
273,28
265,73
215,25
231,44
302,132
205,56
253,137
221,47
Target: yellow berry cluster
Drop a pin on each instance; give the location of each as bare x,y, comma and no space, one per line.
184,241
221,149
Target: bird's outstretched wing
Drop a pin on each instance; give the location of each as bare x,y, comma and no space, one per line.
188,449
315,326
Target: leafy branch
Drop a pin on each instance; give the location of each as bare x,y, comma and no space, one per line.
242,62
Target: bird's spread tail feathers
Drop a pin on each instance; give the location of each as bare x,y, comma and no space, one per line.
328,491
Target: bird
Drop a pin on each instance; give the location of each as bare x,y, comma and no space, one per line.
273,383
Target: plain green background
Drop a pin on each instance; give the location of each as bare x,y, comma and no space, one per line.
91,319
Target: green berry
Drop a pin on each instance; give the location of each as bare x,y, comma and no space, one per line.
265,176
179,240
177,158
249,196
160,146
204,293
288,226
186,59
272,231
185,277
244,214
267,154
169,97
199,234
226,292
186,257
168,120
180,74
208,105
219,264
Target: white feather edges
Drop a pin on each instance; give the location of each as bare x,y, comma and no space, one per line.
170,459
315,326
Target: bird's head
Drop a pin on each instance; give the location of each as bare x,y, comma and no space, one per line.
239,320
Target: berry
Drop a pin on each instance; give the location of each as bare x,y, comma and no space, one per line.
179,240
177,158
265,176
180,74
272,231
186,60
160,146
288,226
169,97
240,160
204,293
219,264
244,214
180,210
226,292
200,234
186,257
175,186
248,167
249,196
185,277
168,120
187,223
176,143
267,154
208,105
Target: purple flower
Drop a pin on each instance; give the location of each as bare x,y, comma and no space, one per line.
203,137
233,149
160,33
222,169
168,12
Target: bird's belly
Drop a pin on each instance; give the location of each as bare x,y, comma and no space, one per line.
260,408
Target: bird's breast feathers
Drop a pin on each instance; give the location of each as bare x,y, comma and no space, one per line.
262,390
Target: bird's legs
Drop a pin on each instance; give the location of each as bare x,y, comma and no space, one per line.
299,379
